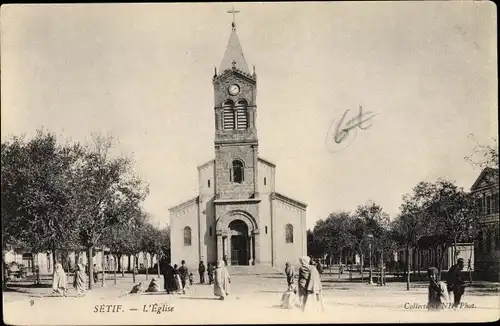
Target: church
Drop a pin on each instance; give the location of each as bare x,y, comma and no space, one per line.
237,214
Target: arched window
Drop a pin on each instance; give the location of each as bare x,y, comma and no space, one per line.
289,233
228,115
187,236
237,172
241,115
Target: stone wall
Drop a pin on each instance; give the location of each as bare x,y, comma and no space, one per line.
224,156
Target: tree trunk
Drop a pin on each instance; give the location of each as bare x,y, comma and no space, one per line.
133,269
103,268
362,265
114,268
129,263
453,261
146,265
158,264
408,260
123,269
90,267
382,269
119,262
54,261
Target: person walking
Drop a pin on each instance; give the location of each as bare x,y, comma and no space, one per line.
79,280
221,281
184,274
313,299
60,281
304,274
201,270
456,282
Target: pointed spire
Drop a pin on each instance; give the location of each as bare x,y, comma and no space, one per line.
233,57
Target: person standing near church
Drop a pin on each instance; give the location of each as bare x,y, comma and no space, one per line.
201,270
177,279
456,282
221,281
168,277
211,270
184,274
290,274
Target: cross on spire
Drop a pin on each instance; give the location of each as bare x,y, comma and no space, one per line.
232,11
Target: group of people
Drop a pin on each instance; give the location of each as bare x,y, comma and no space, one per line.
210,271
308,293
178,279
440,292
60,281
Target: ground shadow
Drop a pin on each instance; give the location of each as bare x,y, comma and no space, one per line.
29,286
198,298
270,291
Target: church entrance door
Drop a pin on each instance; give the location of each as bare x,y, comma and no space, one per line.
239,243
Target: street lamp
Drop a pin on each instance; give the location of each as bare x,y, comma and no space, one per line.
370,238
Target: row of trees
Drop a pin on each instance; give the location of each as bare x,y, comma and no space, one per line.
73,197
433,216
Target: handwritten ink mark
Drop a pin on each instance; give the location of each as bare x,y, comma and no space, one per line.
342,131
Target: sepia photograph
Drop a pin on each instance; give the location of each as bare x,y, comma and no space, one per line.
249,163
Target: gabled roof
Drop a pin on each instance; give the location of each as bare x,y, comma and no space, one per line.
234,53
488,177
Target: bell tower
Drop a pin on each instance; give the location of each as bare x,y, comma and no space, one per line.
236,143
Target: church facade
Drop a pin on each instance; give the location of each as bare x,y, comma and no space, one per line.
237,213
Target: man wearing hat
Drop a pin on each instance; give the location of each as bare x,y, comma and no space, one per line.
456,282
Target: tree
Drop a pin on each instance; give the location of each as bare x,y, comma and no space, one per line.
314,247
150,243
108,194
357,232
484,155
331,235
36,194
452,214
409,227
374,222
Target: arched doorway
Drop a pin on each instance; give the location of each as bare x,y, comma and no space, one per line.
239,242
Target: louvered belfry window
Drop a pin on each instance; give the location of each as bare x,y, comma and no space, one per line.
235,117
242,115
228,115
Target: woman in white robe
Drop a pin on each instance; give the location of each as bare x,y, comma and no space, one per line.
60,281
313,300
221,280
79,280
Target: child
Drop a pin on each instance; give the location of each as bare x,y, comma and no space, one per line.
289,300
210,273
438,294
153,286
191,279
137,289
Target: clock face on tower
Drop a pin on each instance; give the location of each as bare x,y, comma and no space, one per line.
234,89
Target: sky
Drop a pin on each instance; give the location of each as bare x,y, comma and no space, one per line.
143,73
